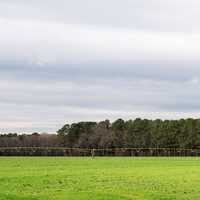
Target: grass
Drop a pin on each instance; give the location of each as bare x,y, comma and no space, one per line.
82,178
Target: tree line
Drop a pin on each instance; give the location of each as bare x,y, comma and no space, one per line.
138,133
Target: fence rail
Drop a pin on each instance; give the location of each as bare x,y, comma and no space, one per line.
62,151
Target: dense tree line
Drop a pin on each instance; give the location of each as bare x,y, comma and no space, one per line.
138,133
28,140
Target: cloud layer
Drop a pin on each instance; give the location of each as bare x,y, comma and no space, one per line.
64,61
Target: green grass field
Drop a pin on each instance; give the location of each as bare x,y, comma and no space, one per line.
120,178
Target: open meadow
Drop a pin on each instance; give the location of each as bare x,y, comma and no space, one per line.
101,178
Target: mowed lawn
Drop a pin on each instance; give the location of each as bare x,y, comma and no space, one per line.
101,178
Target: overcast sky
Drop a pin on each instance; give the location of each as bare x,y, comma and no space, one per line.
65,61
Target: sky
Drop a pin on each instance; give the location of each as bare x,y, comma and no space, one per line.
66,61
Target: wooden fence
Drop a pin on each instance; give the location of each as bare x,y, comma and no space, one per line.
59,151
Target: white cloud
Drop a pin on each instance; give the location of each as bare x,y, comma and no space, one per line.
47,43
171,15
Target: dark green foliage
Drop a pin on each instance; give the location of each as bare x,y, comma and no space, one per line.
138,133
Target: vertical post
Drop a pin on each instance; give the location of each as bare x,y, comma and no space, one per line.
93,153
